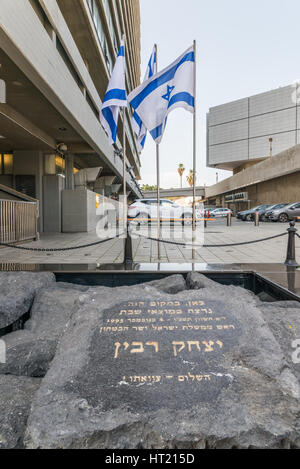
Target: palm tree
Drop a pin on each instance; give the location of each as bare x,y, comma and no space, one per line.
181,170
190,178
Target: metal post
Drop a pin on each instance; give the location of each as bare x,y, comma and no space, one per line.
291,249
194,139
228,219
158,200
158,184
271,146
128,255
256,219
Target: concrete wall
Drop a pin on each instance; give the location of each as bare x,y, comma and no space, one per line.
272,181
53,187
285,163
240,131
78,211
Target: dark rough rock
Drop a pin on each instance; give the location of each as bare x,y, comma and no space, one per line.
17,291
28,354
283,304
30,351
16,394
212,289
172,284
266,298
118,381
285,326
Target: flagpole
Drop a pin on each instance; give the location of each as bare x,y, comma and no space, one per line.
158,185
195,141
124,152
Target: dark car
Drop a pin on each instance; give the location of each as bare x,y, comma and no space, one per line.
266,215
247,214
262,212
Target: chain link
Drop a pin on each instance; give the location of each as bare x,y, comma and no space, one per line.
213,245
60,249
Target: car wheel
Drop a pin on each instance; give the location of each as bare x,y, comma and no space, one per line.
248,218
283,218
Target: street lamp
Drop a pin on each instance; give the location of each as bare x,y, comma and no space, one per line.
271,146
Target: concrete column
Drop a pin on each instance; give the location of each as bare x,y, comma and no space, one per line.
50,167
31,163
69,172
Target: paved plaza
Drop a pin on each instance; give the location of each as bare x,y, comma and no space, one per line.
145,250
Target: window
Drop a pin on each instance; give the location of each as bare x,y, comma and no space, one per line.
42,16
97,20
92,105
6,164
68,63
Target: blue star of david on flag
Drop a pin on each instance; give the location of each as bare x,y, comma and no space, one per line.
137,125
167,96
173,87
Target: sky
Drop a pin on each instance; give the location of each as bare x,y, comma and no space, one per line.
243,48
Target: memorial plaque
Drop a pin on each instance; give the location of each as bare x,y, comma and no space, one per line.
154,354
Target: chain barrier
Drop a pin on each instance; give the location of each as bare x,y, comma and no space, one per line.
213,245
61,249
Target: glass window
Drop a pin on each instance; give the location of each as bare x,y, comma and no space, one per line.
6,163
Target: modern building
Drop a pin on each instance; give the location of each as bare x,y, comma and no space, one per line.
255,138
56,58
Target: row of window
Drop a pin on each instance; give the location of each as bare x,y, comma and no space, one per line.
98,22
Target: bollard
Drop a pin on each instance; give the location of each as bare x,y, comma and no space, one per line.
256,219
228,219
128,256
291,250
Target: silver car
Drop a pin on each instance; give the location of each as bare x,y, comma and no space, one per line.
287,213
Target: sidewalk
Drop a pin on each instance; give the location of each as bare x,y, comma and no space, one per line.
144,250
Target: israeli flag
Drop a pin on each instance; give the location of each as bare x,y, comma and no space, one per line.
169,89
115,97
137,125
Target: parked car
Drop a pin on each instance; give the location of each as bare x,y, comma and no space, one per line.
206,211
266,215
287,213
260,212
147,209
220,212
246,215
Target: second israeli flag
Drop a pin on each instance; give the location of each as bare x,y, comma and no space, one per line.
169,89
137,124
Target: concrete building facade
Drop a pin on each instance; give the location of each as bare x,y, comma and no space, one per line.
56,57
238,133
258,139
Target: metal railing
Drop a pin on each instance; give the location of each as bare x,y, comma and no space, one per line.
18,221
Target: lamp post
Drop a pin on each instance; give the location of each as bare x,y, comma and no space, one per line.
271,146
